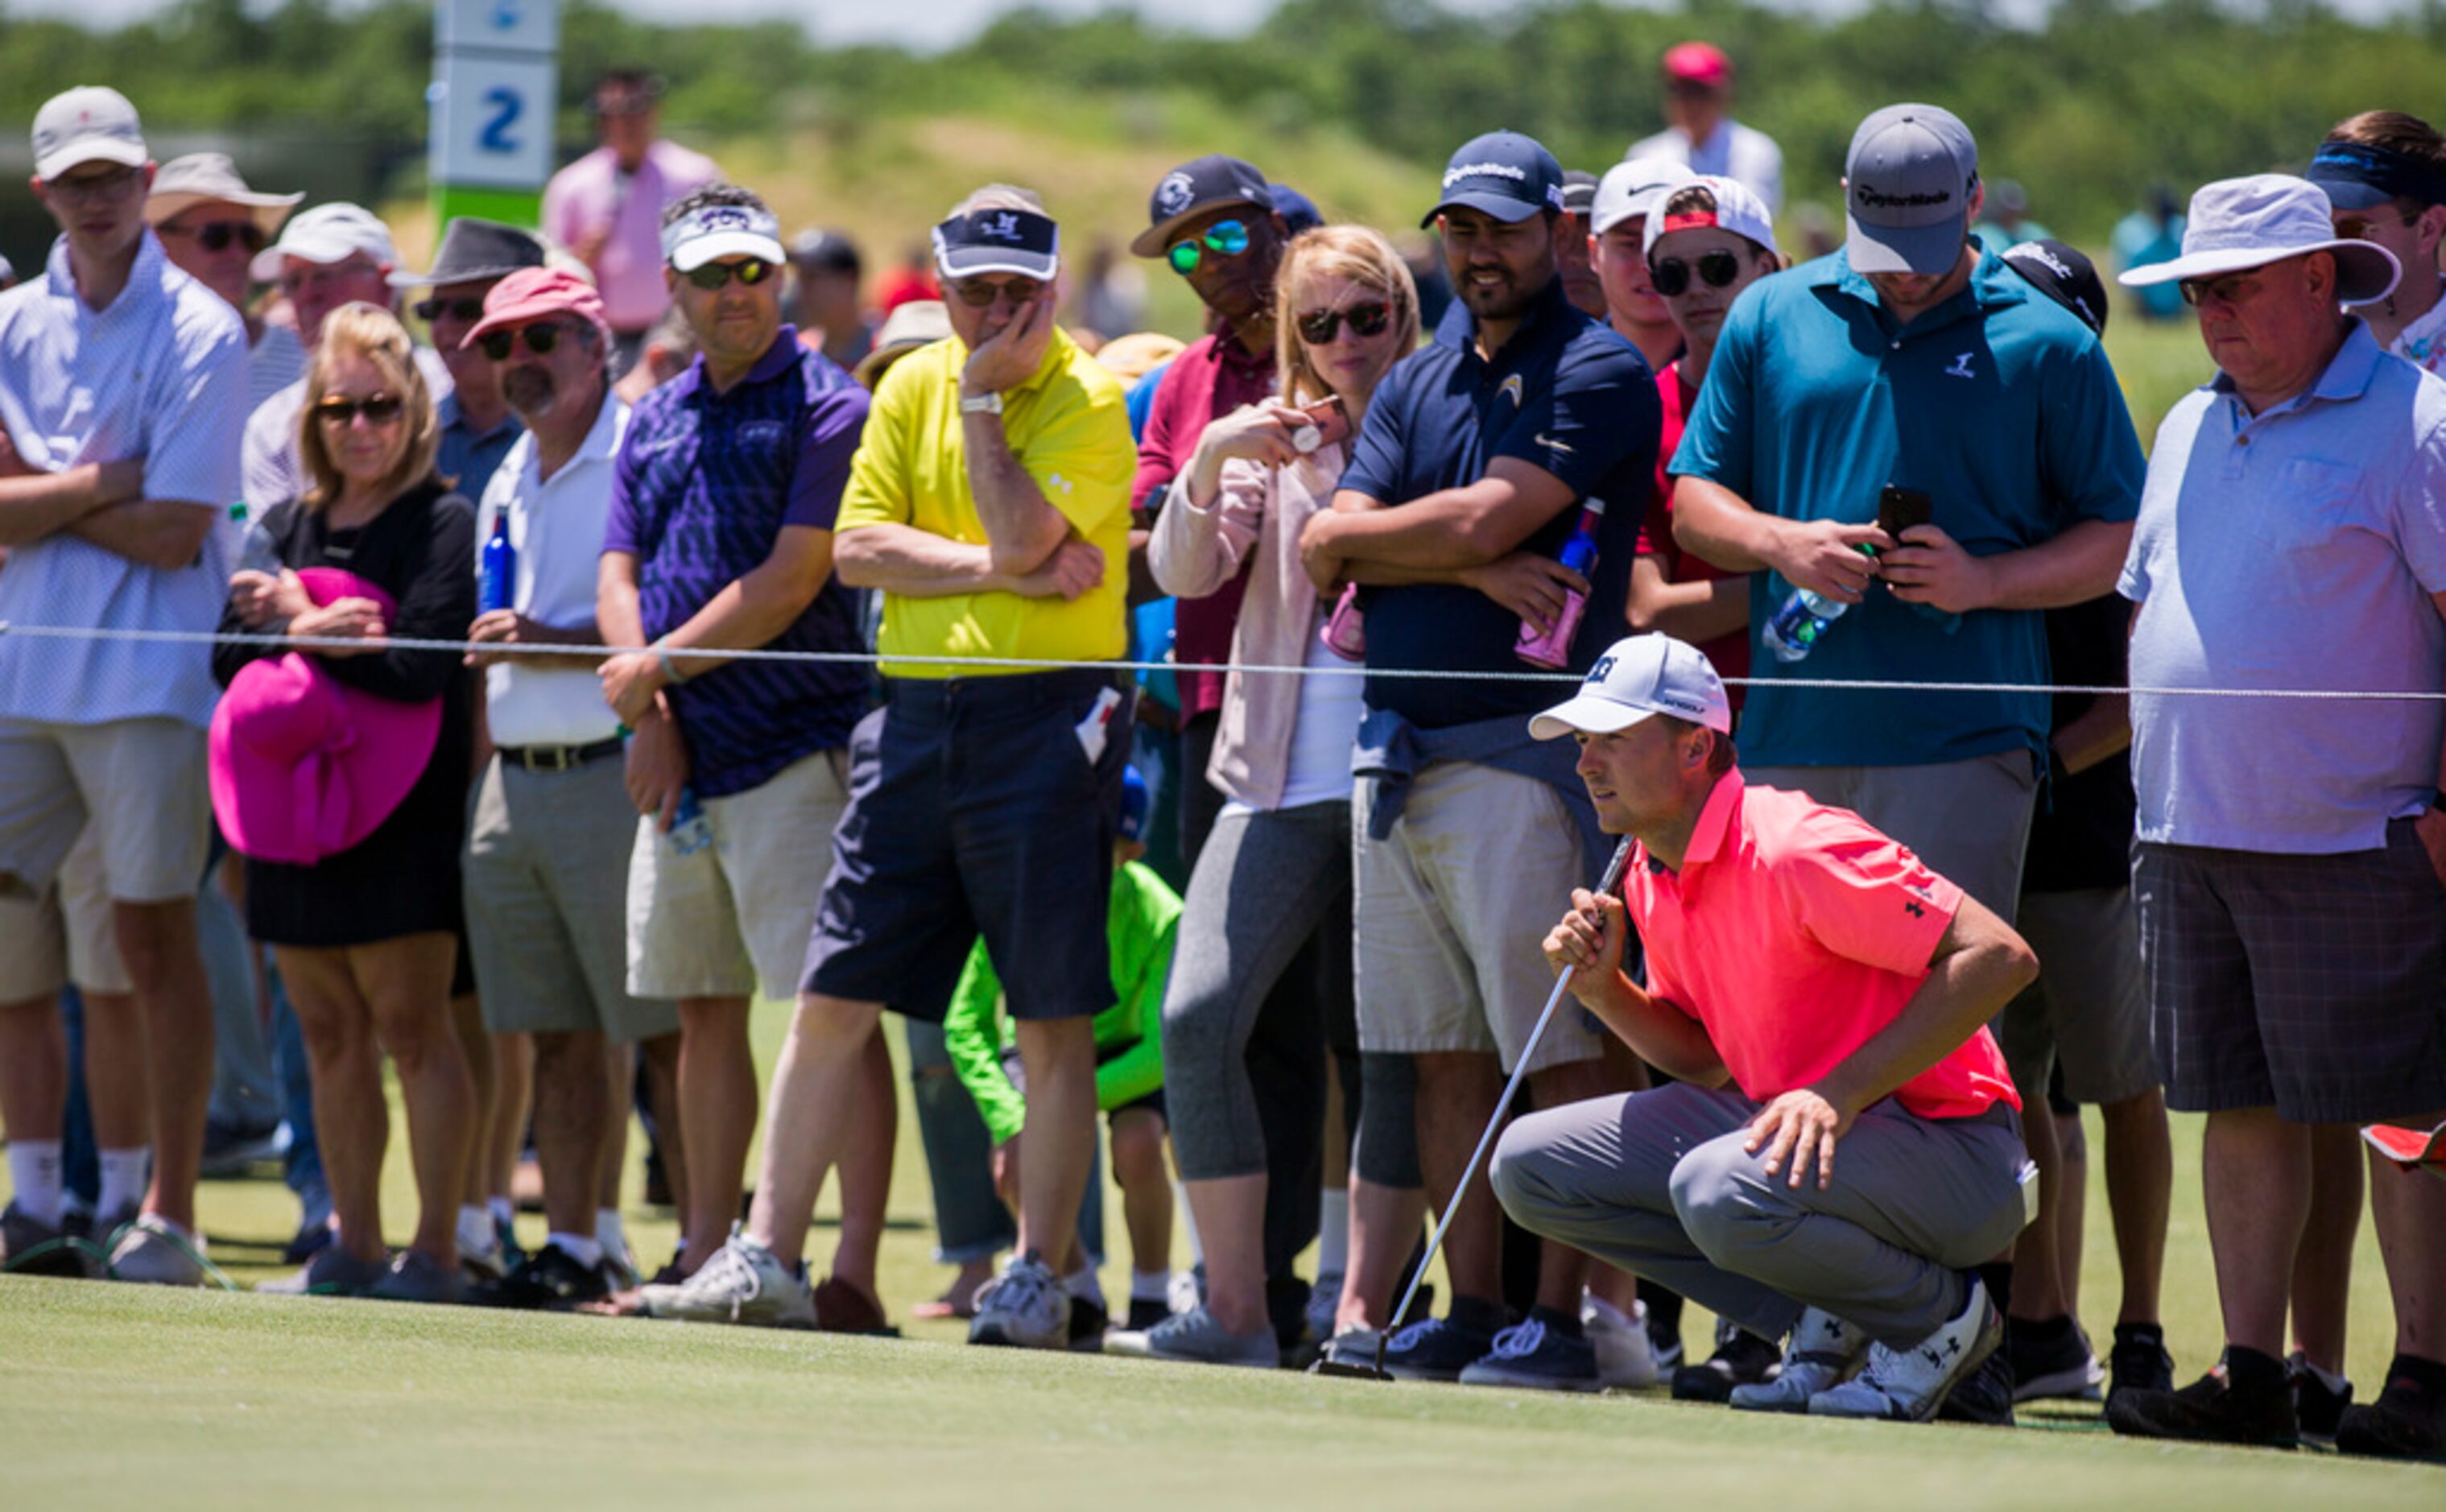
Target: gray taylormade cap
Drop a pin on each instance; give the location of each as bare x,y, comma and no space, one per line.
1907,190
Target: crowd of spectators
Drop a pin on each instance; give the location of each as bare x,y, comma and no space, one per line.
787,635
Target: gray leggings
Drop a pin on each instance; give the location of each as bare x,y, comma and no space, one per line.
1266,885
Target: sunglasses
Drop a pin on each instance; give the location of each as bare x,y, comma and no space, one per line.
2235,289
712,275
466,311
980,293
217,235
1670,275
1367,319
1224,238
540,339
339,410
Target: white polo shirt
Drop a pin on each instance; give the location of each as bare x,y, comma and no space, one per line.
556,528
159,373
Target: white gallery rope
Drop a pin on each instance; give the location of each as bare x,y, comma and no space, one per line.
190,638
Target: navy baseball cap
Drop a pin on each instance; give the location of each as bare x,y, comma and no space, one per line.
1298,211
999,240
2359,176
1193,188
1504,174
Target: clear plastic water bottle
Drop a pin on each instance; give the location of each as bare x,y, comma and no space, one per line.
691,831
1793,632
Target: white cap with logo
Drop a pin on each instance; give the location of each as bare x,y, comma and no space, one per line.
1639,676
1635,188
88,123
325,235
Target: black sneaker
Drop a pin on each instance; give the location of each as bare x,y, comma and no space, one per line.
2140,1361
1088,1321
1984,1396
550,1277
1146,1311
2208,1411
2407,1422
1436,1350
2051,1358
1741,1358
2317,1406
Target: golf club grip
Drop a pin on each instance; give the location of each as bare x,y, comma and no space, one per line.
1502,1104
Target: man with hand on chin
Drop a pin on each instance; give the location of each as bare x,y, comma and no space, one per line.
1820,995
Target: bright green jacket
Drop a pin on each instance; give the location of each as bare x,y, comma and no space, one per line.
1139,928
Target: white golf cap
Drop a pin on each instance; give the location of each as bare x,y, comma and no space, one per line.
2240,223
1634,186
325,235
1738,210
1638,676
723,231
88,123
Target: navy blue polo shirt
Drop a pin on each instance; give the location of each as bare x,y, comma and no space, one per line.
704,486
1999,405
1565,394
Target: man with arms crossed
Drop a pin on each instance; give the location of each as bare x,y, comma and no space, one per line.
1815,989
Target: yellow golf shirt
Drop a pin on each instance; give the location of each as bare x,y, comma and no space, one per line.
1070,429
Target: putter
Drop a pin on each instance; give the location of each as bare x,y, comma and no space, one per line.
1502,1104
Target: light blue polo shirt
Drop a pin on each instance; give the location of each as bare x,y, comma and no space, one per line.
2292,548
1999,405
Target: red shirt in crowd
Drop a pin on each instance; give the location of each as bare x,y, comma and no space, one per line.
1729,654
1214,376
1795,932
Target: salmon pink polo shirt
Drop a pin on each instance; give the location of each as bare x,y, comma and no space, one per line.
1792,933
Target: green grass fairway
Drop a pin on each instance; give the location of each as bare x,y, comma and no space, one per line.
119,1396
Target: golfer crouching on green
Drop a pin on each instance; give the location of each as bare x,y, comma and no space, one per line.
1817,990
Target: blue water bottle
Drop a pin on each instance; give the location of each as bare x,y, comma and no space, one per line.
690,830
500,568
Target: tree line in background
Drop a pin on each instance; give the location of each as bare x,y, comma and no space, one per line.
2088,111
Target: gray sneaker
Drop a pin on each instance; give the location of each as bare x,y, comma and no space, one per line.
743,1283
149,1252
1023,1308
1822,1349
29,1247
330,1272
1199,1337
416,1276
1354,1347
1908,1385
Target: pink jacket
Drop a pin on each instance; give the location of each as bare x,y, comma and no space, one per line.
1195,551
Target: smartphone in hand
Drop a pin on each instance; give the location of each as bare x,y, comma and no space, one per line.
1899,509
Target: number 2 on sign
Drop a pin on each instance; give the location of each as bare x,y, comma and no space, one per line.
506,106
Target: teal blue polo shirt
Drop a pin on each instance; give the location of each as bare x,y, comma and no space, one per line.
1998,403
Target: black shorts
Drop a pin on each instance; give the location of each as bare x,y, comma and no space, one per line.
976,807
2312,984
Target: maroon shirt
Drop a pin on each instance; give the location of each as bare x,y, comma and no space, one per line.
1211,379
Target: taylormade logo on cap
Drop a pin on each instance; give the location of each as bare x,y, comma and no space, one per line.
1481,170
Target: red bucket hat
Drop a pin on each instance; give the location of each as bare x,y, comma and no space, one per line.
303,767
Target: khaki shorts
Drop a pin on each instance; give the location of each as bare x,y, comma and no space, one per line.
738,912
546,878
137,785
1451,911
69,935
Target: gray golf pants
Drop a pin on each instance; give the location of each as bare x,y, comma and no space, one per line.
1658,1183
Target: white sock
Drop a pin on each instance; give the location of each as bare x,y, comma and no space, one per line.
475,1230
1082,1283
1332,1231
34,1172
124,1176
1189,1222
609,1233
2336,1385
1150,1286
499,1210
1597,1309
586,1252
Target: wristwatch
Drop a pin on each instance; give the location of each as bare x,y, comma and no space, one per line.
981,404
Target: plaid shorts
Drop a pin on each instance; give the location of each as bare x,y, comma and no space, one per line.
2314,984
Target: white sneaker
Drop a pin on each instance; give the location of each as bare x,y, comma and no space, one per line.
1909,1384
1822,1349
150,1251
1625,1355
743,1283
1023,1308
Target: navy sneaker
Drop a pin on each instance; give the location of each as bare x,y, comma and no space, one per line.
2051,1357
1536,1357
2318,1408
2138,1361
2208,1411
1437,1350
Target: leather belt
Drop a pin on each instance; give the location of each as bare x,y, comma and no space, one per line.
560,758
